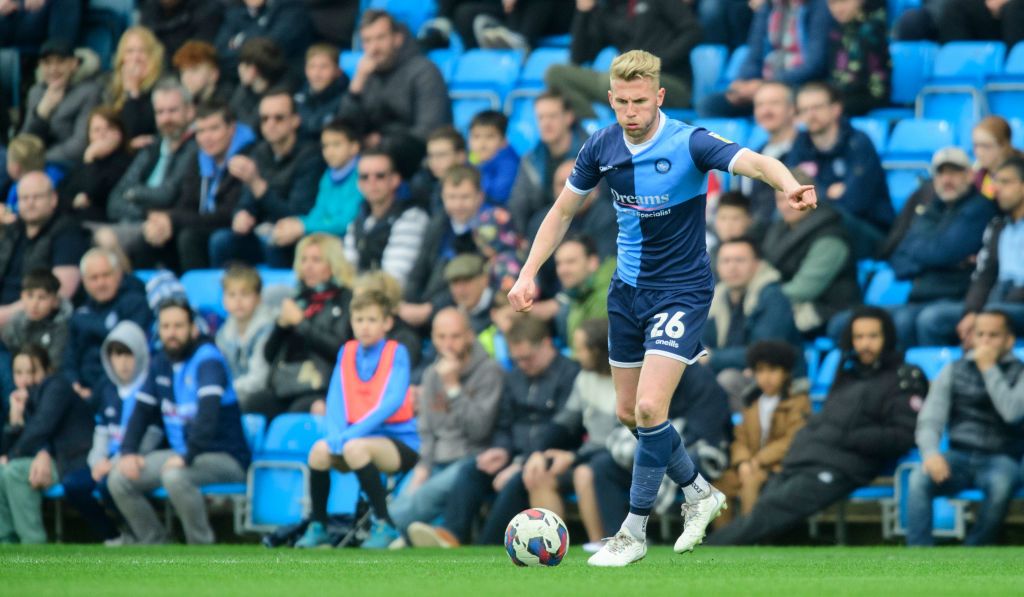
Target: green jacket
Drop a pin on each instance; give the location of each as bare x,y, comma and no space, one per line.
592,303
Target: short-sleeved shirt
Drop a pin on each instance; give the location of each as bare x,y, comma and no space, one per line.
67,249
659,188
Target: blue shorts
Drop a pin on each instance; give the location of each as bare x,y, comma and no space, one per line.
668,323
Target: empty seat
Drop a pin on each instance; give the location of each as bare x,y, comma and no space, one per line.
1005,91
708,64
953,91
275,276
931,359
876,129
911,65
348,60
463,111
203,288
531,78
884,290
913,142
444,59
902,184
603,62
278,477
485,74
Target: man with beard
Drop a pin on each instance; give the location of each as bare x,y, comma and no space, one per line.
189,393
867,422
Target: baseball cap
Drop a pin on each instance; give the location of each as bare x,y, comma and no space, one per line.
57,47
950,156
464,266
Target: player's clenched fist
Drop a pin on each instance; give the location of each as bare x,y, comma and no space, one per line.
522,293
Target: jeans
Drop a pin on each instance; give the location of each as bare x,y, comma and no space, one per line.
429,500
226,246
475,487
995,474
906,318
936,325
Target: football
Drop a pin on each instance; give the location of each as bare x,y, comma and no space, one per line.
536,537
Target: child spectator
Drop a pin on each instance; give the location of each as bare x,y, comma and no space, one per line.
858,56
243,337
44,320
338,198
125,356
261,67
371,426
401,331
490,152
48,433
320,97
25,153
445,148
776,410
199,71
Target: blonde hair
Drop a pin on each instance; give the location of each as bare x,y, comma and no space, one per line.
27,151
154,55
341,269
636,64
382,282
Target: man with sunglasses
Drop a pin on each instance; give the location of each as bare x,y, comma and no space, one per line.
280,175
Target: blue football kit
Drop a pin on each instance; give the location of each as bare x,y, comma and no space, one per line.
659,299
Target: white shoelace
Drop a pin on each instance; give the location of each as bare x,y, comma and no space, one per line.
619,542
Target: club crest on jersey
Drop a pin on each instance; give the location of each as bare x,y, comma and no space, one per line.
719,137
662,166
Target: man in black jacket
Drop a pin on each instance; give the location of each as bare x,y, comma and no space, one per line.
866,424
666,28
175,22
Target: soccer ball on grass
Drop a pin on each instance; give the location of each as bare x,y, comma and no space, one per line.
536,537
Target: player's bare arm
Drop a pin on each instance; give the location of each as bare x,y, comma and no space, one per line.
773,172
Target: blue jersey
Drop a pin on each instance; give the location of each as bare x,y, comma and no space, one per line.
659,188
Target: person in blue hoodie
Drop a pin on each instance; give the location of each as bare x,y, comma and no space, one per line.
490,152
371,423
189,393
178,238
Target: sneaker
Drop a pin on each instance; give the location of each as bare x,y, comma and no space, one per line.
424,535
381,536
399,543
503,38
119,541
621,550
696,518
593,546
315,536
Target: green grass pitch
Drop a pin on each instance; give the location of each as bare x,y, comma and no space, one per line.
253,570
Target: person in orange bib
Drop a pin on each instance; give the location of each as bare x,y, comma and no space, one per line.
371,423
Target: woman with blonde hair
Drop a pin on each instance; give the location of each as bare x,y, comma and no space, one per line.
310,329
138,65
990,139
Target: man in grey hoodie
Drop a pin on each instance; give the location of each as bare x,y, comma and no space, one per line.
456,410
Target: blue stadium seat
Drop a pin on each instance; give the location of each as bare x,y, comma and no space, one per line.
348,60
463,111
757,138
902,184
884,290
444,59
733,129
911,65
732,68
1005,91
1017,131
145,275
948,515
274,276
522,126
603,62
485,74
414,13
707,63
555,41
278,477
876,129
255,428
531,78
931,359
827,370
895,8
913,142
953,91
203,288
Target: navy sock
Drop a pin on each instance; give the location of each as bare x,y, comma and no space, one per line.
680,467
319,491
652,456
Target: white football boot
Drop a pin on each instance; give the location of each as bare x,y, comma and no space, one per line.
621,550
696,518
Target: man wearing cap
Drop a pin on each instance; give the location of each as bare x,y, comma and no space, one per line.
469,286
937,253
60,102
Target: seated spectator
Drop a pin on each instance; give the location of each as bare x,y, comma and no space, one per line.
466,225
749,306
178,237
490,24
310,329
811,252
867,422
493,338
469,289
997,282
990,140
261,68
666,28
26,153
285,22
47,436
39,238
243,337
774,410
938,251
29,23
138,65
337,200
844,165
704,416
733,220
456,411
111,297
858,55
595,216
177,22
578,432
396,93
371,419
153,180
43,321
775,112
560,140
445,148
279,175
490,152
87,188
199,71
58,105
388,233
788,43
380,282
980,20
199,413
979,401
125,355
533,393
320,97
